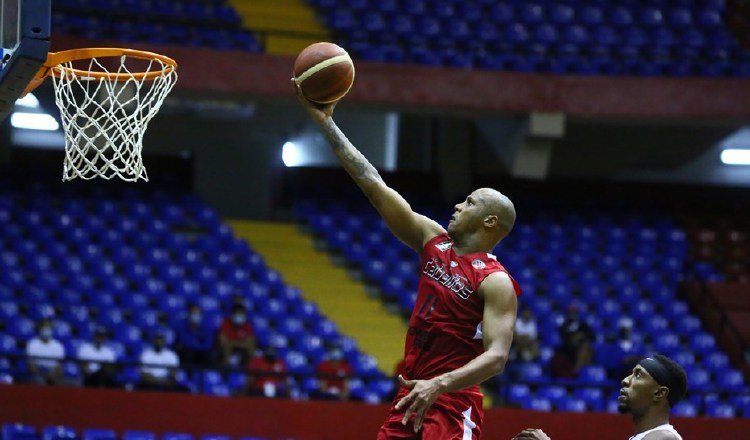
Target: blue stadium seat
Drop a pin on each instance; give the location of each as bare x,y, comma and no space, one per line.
138,435
561,13
569,404
554,393
720,410
9,345
593,374
517,393
593,397
99,434
530,372
177,436
215,437
702,342
679,17
383,388
685,409
537,404
700,379
19,431
716,361
297,362
501,13
731,380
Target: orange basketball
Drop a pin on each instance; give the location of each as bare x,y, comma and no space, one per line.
324,72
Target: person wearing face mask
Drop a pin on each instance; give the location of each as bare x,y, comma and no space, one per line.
195,339
159,366
333,376
98,361
45,353
236,338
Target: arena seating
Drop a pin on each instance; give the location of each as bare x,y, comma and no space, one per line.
648,38
611,262
130,261
201,23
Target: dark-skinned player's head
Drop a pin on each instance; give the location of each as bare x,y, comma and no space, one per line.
657,381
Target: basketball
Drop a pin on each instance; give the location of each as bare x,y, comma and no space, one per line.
324,72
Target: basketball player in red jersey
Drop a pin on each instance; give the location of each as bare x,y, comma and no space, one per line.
462,325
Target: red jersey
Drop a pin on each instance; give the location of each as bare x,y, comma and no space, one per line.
260,364
234,332
339,369
445,329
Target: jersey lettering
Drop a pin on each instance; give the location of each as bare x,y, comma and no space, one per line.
455,283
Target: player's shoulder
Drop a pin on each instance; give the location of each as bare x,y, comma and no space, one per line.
498,283
437,242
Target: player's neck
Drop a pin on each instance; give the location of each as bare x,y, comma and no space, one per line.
469,245
650,420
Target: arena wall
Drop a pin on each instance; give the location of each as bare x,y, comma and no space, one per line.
302,420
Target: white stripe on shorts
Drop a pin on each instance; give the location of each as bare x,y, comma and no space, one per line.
469,425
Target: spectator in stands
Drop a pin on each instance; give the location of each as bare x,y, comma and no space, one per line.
621,351
526,337
98,361
333,376
236,338
237,300
195,339
45,353
274,383
159,367
647,394
576,350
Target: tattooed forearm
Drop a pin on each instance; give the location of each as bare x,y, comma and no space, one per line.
353,161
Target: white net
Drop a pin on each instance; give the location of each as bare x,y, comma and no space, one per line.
104,117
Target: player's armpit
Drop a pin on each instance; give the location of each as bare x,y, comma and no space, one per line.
499,318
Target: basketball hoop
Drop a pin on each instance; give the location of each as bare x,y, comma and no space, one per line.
106,97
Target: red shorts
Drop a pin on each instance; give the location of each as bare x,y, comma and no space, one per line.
453,416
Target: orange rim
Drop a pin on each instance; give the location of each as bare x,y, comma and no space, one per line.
56,59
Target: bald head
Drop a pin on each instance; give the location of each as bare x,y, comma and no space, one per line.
497,204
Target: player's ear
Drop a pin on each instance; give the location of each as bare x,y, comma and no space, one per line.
661,393
490,221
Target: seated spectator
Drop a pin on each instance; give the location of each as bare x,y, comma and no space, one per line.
333,376
621,352
236,338
576,350
526,337
44,353
195,339
275,384
98,361
159,367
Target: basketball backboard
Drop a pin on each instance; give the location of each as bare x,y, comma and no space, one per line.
24,40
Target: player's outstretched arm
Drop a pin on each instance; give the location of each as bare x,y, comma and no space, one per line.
411,228
498,321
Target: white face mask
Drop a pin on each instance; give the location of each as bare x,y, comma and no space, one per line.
238,318
45,333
